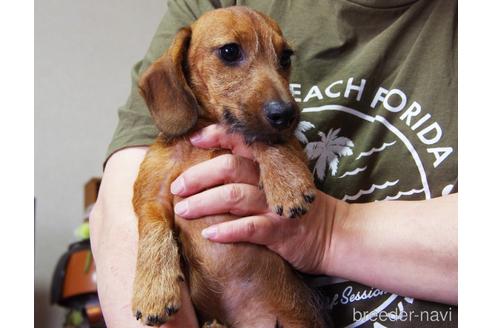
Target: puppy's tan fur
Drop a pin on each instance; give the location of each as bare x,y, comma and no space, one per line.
189,87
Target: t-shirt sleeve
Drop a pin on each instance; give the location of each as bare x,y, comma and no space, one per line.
135,125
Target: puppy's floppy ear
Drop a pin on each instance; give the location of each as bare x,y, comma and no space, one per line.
166,91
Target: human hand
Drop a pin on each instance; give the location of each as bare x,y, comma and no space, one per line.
229,184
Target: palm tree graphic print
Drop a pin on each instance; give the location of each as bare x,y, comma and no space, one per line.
327,151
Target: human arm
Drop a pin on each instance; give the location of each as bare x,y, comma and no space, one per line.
113,229
406,247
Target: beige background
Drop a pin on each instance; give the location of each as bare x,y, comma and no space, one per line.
84,51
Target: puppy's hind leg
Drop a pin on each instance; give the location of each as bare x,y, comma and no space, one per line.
156,290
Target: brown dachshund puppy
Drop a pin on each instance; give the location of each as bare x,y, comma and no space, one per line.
231,66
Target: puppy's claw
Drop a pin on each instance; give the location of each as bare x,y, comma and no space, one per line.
170,310
293,213
297,212
309,198
155,320
302,211
158,319
279,210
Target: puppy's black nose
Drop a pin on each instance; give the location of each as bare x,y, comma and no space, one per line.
279,114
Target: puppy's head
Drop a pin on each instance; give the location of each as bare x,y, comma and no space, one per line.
231,66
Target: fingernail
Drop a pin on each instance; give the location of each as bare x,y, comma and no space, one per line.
196,137
209,232
177,186
181,207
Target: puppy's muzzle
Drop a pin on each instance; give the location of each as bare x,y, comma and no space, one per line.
279,114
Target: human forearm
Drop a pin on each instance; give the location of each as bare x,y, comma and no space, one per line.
406,247
114,242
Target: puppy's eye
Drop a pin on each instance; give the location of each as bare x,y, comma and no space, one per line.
284,59
230,53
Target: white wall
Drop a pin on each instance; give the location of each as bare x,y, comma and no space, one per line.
84,50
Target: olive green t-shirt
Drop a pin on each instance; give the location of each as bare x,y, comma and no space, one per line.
377,84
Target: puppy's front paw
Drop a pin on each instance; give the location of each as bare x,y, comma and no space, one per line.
156,297
290,196
156,289
291,205
285,178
